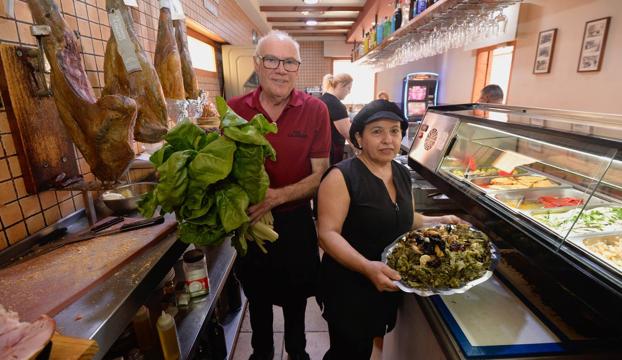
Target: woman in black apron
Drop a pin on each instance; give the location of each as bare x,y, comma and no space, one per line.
364,204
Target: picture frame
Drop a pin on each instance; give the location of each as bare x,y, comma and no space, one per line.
544,51
593,44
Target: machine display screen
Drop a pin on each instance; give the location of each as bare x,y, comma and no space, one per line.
416,108
417,92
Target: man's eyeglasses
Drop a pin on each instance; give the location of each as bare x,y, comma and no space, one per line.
272,62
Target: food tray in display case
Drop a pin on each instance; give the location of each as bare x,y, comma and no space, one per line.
500,183
482,172
605,248
596,220
528,200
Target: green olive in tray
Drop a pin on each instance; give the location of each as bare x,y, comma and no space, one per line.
441,257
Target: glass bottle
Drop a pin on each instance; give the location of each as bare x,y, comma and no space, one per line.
397,16
412,9
372,38
386,26
195,271
366,43
379,32
421,6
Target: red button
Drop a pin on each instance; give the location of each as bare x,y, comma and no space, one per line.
420,134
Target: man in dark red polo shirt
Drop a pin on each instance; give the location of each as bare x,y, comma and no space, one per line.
287,274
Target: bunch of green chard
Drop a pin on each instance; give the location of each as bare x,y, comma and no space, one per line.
209,179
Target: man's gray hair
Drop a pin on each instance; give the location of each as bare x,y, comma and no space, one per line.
281,35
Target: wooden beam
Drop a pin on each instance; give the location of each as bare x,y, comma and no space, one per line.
275,8
299,34
330,27
303,19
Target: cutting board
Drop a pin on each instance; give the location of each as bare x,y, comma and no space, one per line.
48,283
70,348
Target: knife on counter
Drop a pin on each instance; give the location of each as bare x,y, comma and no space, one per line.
89,234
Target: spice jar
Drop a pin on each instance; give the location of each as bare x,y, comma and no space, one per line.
195,271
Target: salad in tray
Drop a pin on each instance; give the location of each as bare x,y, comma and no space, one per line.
598,219
443,259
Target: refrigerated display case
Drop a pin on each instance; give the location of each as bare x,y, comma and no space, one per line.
546,186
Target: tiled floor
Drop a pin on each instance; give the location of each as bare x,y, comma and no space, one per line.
315,327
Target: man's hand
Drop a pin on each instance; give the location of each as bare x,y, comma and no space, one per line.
382,276
273,199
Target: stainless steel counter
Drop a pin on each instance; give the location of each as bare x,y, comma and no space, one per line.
105,310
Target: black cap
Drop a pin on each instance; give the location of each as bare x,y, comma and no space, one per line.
376,110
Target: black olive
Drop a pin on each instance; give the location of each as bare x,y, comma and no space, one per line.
427,248
454,246
434,263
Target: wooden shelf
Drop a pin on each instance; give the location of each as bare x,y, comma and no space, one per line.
442,12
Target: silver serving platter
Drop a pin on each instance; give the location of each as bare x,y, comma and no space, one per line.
494,255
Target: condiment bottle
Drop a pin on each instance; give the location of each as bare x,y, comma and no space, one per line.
195,270
168,337
143,330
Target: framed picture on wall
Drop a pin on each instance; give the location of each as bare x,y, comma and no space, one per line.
593,45
544,51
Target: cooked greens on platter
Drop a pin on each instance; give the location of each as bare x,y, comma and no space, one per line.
440,257
210,179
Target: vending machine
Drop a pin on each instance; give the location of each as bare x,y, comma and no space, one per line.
420,90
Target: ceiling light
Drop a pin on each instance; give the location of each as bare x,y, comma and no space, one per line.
311,22
305,13
310,2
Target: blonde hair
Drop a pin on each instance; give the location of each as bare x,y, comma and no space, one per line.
331,81
280,35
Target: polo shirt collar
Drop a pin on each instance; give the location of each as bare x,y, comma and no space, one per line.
295,99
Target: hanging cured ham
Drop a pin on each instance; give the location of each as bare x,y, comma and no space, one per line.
167,60
191,86
140,81
101,128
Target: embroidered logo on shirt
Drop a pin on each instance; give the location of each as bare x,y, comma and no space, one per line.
297,133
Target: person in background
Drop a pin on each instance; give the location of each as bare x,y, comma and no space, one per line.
491,94
336,88
287,275
365,203
383,95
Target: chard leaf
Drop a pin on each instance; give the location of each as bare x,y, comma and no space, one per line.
250,173
161,155
200,235
183,135
232,202
201,141
228,118
262,124
213,162
173,182
148,204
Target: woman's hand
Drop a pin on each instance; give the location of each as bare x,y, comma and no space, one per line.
445,219
451,219
382,276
